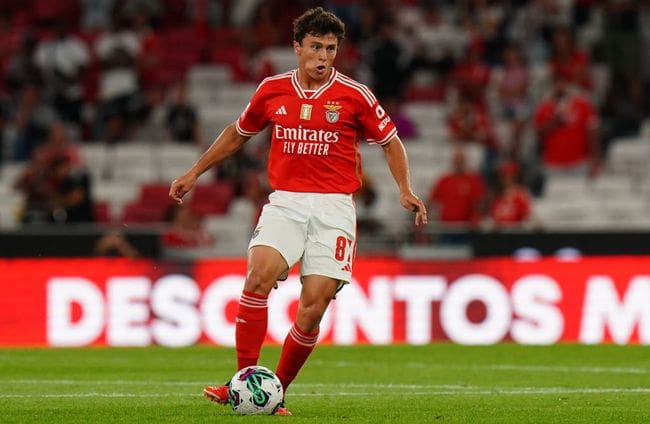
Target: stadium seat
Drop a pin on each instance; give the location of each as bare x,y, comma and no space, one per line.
629,156
10,209
44,11
232,233
561,188
557,215
155,194
608,186
282,58
115,194
212,199
205,82
139,212
644,131
102,212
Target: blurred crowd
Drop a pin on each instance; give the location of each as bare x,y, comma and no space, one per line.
110,71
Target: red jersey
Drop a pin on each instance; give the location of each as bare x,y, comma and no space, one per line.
511,208
315,134
458,197
567,145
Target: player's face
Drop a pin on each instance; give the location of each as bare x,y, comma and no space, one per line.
316,55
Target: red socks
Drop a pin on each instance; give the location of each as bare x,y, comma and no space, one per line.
250,328
250,331
295,351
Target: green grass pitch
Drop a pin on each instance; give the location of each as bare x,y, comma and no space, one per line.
362,384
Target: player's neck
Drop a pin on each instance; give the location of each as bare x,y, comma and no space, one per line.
307,83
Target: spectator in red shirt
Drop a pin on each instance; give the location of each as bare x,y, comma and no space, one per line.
458,195
567,126
511,206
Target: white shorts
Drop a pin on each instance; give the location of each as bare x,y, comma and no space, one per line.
318,229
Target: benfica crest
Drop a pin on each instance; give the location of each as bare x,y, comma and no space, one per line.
332,114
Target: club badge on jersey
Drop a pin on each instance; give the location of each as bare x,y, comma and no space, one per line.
332,114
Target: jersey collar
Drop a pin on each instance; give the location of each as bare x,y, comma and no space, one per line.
301,93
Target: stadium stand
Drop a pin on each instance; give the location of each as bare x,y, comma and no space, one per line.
130,176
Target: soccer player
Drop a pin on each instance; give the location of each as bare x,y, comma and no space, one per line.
317,116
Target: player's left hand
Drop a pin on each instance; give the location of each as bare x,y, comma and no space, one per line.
413,203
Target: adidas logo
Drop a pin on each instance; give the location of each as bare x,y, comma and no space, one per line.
281,111
347,267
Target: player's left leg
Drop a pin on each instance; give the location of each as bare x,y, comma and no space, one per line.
326,265
317,292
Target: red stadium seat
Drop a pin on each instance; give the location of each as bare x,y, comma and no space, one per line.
139,212
434,92
49,11
212,199
157,194
91,76
101,211
152,204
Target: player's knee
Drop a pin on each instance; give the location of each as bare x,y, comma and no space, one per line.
259,280
309,317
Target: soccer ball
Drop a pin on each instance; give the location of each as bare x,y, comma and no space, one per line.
255,390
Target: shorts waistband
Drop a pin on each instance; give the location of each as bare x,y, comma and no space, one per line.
300,194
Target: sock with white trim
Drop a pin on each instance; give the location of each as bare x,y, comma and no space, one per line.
250,328
295,351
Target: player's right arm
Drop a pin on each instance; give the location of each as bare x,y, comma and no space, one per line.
226,144
251,121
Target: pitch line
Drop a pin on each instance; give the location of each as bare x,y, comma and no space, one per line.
467,391
508,367
457,388
496,391
65,382
107,382
563,368
89,395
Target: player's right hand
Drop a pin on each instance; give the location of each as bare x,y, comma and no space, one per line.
181,186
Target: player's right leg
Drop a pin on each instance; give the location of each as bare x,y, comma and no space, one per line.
265,266
277,243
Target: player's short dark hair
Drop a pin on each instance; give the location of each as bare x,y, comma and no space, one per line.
318,21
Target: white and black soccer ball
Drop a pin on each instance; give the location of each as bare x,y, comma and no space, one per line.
255,390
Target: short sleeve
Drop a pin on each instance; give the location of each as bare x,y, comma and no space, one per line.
254,118
376,125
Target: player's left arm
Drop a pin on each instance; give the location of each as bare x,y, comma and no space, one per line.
398,163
